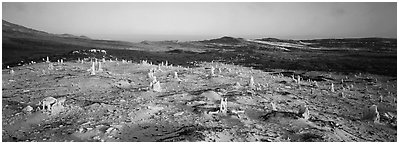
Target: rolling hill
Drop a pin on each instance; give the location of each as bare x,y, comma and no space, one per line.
372,55
21,43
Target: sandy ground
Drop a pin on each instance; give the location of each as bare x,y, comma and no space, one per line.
117,104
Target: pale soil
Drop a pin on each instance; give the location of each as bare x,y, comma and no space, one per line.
117,105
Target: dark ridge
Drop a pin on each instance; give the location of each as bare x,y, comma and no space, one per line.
224,40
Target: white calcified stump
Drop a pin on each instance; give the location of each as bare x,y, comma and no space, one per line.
220,70
58,61
251,82
157,87
82,62
166,63
332,87
377,114
212,71
93,71
104,60
343,94
153,80
12,72
150,75
8,67
299,79
50,66
273,107
47,60
159,67
302,109
223,105
78,59
306,114
381,98
100,69
175,75
62,61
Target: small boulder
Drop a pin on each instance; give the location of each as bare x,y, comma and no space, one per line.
28,109
372,113
211,96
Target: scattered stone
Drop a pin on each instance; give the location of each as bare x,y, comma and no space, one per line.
56,108
27,109
211,96
237,85
236,112
178,114
61,100
215,112
372,114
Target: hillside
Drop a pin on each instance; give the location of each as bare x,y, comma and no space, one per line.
23,44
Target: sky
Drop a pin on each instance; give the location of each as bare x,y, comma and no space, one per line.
198,21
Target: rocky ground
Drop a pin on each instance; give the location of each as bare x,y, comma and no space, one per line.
117,104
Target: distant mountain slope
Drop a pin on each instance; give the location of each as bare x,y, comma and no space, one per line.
21,43
224,40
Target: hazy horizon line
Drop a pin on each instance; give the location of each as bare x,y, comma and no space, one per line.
186,38
192,37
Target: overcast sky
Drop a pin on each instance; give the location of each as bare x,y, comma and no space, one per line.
191,21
